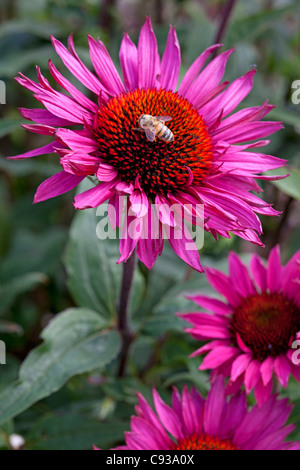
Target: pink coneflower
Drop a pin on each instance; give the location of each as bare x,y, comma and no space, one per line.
216,423
207,163
253,331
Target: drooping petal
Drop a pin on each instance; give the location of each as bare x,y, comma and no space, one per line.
93,197
49,148
58,184
184,246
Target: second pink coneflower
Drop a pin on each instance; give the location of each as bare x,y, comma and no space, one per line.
251,333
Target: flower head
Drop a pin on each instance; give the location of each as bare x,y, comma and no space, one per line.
216,423
253,330
207,162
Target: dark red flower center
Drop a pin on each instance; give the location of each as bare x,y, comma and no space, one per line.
266,323
204,442
162,166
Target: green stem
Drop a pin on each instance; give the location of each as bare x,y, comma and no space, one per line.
123,312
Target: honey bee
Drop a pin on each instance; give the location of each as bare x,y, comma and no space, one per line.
154,126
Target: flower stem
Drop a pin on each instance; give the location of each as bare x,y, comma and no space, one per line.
226,12
123,312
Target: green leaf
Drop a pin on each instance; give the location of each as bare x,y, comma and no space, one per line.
12,64
72,432
94,278
74,342
32,252
41,30
289,185
252,25
173,301
9,125
9,291
286,115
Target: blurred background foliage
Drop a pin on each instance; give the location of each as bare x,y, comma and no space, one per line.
67,396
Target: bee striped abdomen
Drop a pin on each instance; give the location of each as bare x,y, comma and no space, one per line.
165,134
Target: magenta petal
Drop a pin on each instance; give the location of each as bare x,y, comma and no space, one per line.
282,369
144,428
70,88
230,98
218,356
207,347
188,412
214,407
79,164
135,441
242,345
106,172
43,116
167,417
58,184
39,129
76,67
222,284
185,247
252,375
214,305
147,252
49,148
93,197
132,230
246,132
170,63
239,365
233,414
104,67
139,203
266,370
145,411
262,392
195,68
274,440
129,62
77,140
208,79
259,272
274,270
148,58
240,277
165,212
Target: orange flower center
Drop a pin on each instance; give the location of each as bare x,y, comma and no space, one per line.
162,165
266,323
204,442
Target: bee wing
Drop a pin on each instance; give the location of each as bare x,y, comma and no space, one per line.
150,134
163,118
